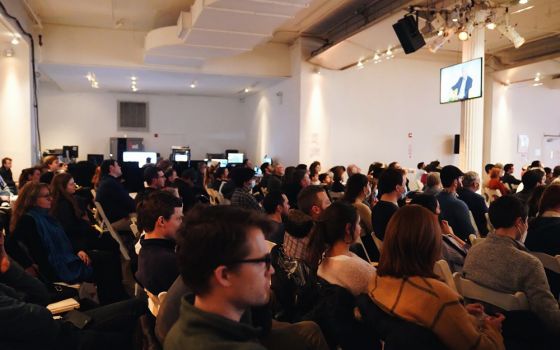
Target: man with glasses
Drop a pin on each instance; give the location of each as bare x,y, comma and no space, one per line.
454,210
224,260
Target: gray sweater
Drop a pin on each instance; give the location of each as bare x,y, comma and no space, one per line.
503,264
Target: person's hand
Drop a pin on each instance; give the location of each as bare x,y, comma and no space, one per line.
475,309
4,260
495,321
84,257
446,228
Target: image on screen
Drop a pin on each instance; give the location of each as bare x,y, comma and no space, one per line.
139,157
461,81
181,157
235,158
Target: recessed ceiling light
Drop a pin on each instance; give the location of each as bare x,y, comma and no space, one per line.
523,2
246,90
133,78
15,40
193,84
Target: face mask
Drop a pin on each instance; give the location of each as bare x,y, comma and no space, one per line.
252,184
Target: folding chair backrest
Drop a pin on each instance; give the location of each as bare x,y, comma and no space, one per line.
475,240
377,241
106,226
492,195
441,268
473,223
549,262
505,301
361,243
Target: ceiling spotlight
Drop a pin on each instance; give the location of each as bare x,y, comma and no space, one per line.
440,32
90,77
389,54
246,90
360,64
133,78
8,52
193,84
15,40
95,84
538,77
523,2
537,84
463,35
490,25
376,57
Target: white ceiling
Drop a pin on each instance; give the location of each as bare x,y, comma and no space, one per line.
543,19
73,78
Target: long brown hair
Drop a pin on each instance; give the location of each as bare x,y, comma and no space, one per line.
59,193
412,243
27,198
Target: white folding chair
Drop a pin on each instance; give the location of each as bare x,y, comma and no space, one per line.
549,262
475,240
134,227
361,243
106,226
442,270
505,301
489,224
473,223
377,241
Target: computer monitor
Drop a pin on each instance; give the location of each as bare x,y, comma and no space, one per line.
223,162
70,152
235,158
181,157
96,159
140,157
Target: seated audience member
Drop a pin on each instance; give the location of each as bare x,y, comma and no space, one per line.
74,220
454,210
325,180
187,191
312,201
154,178
113,197
543,234
509,179
338,173
352,169
276,207
486,176
536,164
453,249
52,166
300,180
224,260
502,262
41,246
392,187
534,201
358,189
266,170
275,180
303,335
29,175
433,184
242,196
495,184
170,177
26,323
530,180
160,215
6,174
548,175
329,245
475,202
201,175
405,285
220,178
314,171
556,174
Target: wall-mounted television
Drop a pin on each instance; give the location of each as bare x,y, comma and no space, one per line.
223,162
235,158
461,81
140,157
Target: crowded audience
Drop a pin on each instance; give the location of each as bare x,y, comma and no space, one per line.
213,274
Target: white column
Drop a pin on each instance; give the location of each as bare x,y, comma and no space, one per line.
472,111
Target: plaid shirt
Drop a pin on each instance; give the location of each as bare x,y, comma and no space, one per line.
296,247
245,200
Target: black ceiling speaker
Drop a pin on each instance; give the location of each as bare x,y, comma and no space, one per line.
409,36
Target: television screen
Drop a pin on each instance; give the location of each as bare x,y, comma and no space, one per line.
223,162
461,82
140,157
235,158
181,157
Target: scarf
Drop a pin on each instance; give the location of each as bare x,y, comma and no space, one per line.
67,265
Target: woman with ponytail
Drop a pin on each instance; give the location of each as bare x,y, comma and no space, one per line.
337,229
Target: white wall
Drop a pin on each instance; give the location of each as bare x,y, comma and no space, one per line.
358,116
526,110
15,109
206,124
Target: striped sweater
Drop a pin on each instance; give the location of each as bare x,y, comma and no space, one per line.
432,304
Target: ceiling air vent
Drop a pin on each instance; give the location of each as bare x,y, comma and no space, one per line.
132,116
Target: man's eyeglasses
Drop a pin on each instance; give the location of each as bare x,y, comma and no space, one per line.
267,260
